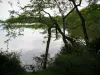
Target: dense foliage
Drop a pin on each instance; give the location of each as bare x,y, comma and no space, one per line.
10,64
92,18
80,61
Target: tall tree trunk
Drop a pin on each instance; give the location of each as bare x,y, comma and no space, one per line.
47,49
64,38
63,22
83,23
56,32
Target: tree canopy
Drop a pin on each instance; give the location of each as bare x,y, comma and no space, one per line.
92,18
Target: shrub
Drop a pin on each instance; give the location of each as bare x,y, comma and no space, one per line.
10,63
79,61
73,64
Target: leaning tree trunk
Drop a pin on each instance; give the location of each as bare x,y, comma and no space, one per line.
47,49
83,23
64,38
63,22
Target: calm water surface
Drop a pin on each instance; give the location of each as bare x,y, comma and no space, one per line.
32,43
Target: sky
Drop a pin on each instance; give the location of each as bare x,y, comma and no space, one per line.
32,42
5,7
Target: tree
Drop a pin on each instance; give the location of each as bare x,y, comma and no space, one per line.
92,19
83,22
35,13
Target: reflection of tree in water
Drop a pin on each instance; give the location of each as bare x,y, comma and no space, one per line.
12,34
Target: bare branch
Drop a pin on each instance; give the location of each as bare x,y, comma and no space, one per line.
58,6
58,28
53,20
73,9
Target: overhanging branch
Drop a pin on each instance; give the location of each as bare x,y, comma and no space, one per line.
58,28
73,9
83,22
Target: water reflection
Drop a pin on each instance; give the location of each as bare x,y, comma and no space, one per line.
30,44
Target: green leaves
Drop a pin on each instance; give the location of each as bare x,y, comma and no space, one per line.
92,18
10,63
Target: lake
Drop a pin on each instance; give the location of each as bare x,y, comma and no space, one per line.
30,44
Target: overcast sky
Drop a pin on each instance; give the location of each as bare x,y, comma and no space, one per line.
5,7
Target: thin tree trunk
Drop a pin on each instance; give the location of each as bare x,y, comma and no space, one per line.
47,49
64,38
56,32
63,20
83,23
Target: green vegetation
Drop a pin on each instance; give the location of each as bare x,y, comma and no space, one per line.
80,54
10,63
92,17
81,61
